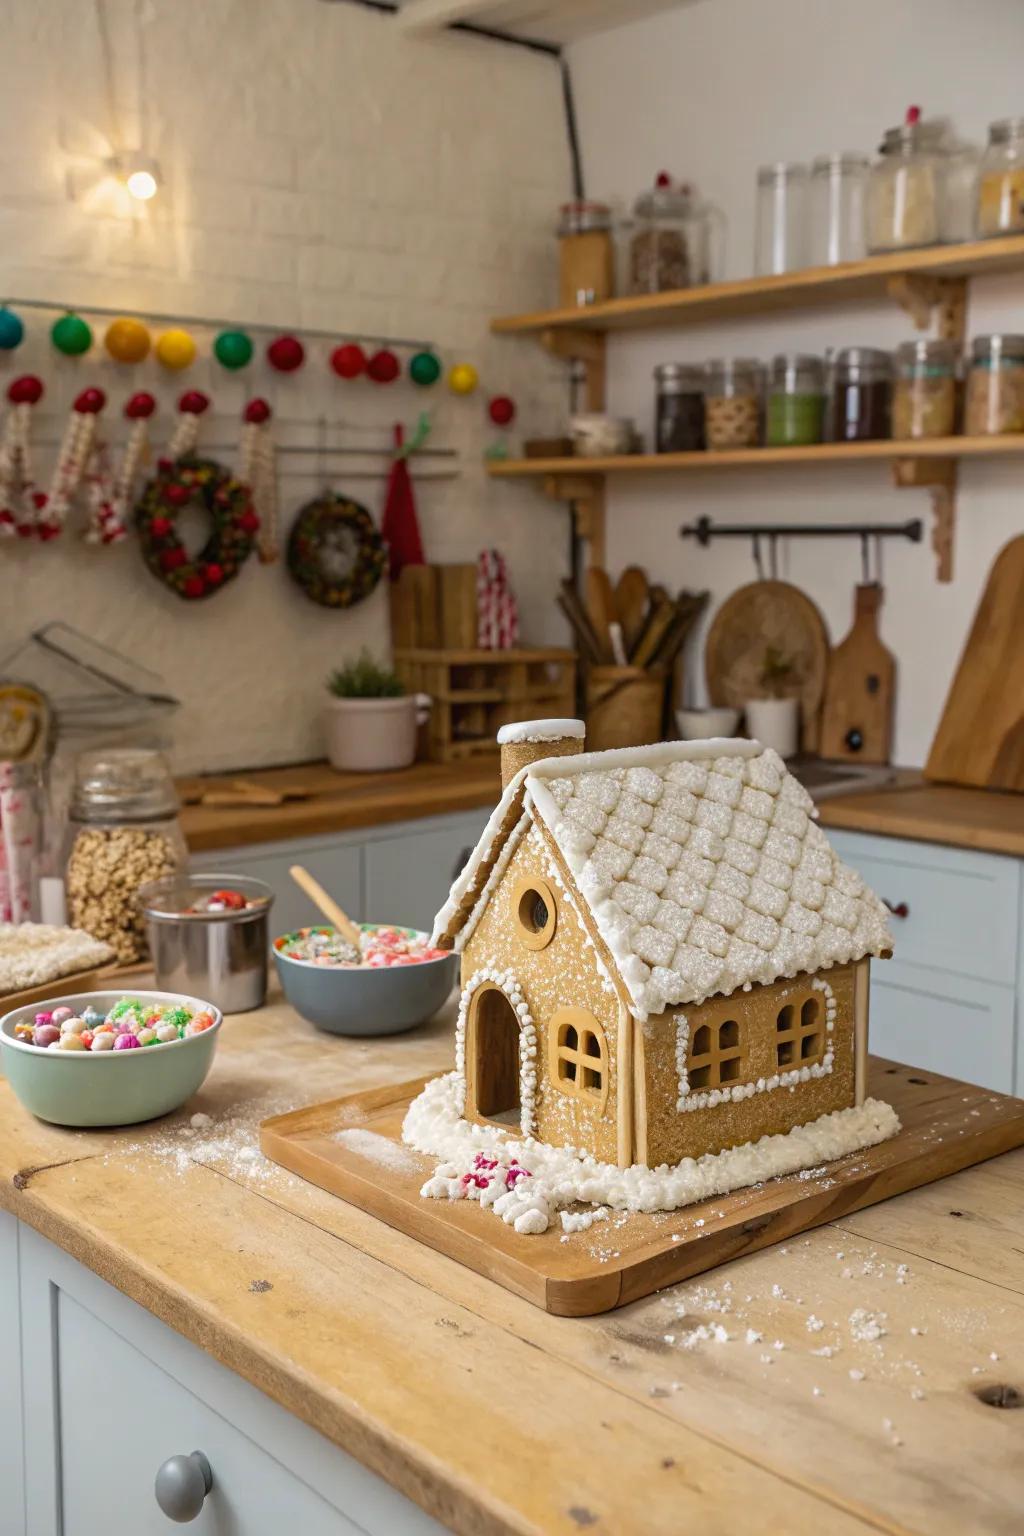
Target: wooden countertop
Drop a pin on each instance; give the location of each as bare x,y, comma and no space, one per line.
340,802
336,802
987,819
498,1418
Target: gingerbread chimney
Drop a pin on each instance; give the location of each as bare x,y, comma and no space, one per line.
529,740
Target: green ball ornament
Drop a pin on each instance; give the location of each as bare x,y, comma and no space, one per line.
71,335
11,330
425,369
232,349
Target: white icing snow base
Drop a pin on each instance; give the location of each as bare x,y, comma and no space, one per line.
526,1182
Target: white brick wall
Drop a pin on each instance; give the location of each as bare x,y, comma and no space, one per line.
320,170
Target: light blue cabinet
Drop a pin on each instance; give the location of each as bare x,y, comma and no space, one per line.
392,874
952,998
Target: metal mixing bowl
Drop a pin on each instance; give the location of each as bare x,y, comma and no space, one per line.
219,955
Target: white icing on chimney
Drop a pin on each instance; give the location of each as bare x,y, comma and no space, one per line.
526,741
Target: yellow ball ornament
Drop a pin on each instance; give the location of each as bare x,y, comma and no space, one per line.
463,379
127,341
176,349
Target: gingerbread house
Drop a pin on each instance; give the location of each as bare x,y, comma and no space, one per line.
662,958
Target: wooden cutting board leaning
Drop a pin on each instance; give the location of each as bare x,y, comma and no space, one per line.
980,739
763,617
856,717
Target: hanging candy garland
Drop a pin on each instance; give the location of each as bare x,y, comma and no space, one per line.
17,486
348,360
286,353
71,335
127,340
76,450
176,349
258,469
12,331
110,497
233,350
191,406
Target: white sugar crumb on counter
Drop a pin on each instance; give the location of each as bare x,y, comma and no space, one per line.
378,1149
201,1122
752,1336
866,1327
855,1373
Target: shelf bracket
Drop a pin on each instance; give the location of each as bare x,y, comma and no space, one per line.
939,478
588,348
585,497
944,298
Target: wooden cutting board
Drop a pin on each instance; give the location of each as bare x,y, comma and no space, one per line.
945,1125
980,739
758,616
856,717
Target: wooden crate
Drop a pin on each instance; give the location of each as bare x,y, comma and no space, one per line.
476,692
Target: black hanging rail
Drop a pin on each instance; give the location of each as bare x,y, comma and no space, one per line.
704,530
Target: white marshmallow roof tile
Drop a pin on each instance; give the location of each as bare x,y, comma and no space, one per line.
700,863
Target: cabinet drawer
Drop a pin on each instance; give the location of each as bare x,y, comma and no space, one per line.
963,908
953,1025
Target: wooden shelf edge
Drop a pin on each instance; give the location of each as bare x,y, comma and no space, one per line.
749,458
854,280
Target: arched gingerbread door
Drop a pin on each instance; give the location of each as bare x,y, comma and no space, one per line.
492,1058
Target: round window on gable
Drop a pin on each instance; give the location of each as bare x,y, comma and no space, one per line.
535,911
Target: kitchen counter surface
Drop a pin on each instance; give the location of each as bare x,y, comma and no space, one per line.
338,802
854,1387
334,802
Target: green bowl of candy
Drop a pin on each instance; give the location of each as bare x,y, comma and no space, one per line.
116,1081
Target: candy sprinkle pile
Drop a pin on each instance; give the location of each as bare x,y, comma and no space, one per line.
130,1024
381,946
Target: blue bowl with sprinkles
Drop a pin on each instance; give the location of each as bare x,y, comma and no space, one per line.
363,999
108,1088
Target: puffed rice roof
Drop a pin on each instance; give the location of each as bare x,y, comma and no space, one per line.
701,865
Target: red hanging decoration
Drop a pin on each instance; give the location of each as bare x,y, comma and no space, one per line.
399,525
19,499
258,470
384,367
502,410
286,353
348,360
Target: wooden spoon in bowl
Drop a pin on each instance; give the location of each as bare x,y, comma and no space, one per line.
330,909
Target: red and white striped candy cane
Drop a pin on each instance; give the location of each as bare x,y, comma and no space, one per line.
110,499
19,498
72,460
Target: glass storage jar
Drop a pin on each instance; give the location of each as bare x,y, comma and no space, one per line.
732,402
904,195
123,830
669,238
1000,208
586,254
779,240
836,194
995,386
861,394
795,407
678,408
924,392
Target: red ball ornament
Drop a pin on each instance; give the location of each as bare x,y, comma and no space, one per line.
502,410
90,402
25,391
160,527
257,412
193,402
177,495
286,353
348,360
213,574
140,406
249,522
194,586
384,367
170,559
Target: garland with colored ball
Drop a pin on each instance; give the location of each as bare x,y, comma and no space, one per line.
198,482
335,552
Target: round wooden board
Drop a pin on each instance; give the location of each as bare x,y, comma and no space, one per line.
762,614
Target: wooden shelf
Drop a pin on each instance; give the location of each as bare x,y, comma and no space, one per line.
940,448
854,281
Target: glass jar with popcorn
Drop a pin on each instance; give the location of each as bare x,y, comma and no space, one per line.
123,830
995,386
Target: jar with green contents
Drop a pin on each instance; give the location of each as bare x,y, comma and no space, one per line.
795,412
924,393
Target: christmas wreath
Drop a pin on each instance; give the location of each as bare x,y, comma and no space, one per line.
335,552
191,481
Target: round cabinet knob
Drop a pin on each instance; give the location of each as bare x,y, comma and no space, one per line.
182,1484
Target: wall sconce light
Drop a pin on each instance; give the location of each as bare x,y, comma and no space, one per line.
139,174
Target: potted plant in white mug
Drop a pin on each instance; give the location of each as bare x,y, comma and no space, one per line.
774,719
370,721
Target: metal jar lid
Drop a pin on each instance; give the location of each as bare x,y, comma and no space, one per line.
996,349
127,784
581,216
860,363
679,378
